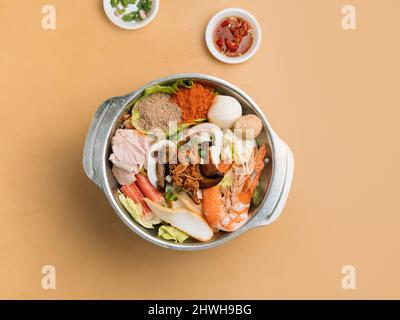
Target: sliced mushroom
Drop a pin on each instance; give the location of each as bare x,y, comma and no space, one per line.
152,159
193,195
161,172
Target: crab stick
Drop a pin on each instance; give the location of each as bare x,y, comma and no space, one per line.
148,189
132,191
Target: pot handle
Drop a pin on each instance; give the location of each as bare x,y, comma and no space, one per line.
279,188
96,138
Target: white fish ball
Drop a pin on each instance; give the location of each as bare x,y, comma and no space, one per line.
224,111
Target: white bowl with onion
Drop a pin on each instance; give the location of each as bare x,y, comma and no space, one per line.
116,18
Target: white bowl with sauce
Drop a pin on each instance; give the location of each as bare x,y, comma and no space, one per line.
217,19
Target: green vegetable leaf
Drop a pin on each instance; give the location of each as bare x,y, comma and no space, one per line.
135,115
158,88
170,195
182,83
127,17
114,3
200,120
118,12
172,233
135,121
168,89
164,89
227,181
257,196
132,16
145,5
136,211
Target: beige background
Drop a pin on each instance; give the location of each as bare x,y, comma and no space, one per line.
332,95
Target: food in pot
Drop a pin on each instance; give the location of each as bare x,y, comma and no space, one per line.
194,102
156,164
184,201
233,36
236,149
200,135
129,154
248,126
226,207
136,211
172,233
186,177
157,111
191,181
224,111
148,189
185,220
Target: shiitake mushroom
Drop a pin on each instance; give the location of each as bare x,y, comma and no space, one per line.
210,170
211,174
206,182
161,172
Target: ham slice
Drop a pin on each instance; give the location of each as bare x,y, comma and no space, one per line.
123,177
129,154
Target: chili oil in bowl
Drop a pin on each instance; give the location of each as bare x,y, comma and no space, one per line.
233,36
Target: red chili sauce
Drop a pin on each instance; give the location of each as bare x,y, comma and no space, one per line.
233,36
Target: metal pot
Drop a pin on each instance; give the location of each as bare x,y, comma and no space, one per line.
275,181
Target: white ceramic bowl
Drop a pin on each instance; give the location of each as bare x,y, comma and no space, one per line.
132,25
233,12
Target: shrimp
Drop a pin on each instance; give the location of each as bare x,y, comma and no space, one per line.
226,207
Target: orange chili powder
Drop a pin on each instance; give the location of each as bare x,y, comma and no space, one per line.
194,102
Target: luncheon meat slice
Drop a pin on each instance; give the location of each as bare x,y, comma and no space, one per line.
129,154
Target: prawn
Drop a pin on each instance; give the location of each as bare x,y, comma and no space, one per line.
226,207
